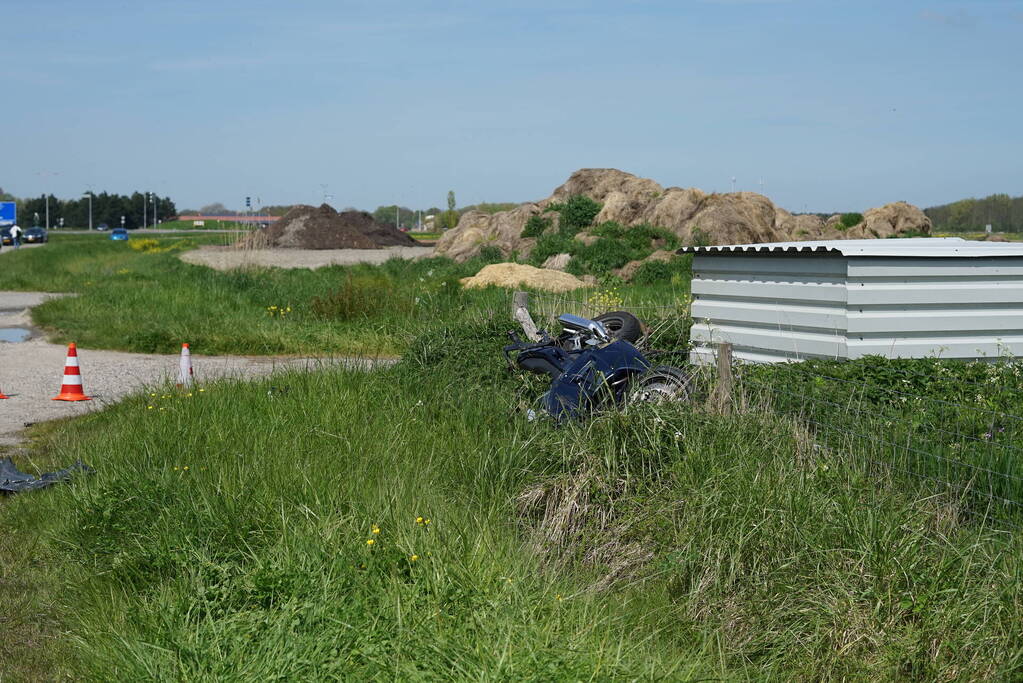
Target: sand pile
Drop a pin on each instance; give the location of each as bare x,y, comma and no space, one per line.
309,227
514,275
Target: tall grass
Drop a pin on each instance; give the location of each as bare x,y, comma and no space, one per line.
658,543
150,301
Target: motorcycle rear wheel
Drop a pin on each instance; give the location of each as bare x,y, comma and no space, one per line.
622,325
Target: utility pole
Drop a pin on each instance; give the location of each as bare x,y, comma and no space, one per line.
145,211
89,195
47,184
396,226
154,211
733,184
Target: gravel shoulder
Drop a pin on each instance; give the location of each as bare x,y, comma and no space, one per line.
228,258
31,372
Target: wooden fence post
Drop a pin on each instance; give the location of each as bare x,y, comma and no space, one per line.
723,388
520,312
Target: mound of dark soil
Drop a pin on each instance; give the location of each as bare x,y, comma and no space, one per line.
309,227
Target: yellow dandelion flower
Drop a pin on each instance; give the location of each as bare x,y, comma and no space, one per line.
370,541
413,558
175,469
149,407
419,520
426,521
152,394
201,390
185,468
376,529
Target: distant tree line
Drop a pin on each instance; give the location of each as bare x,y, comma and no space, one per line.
1002,212
106,208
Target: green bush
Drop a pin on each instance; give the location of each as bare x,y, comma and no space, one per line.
549,245
641,238
851,219
660,272
604,255
491,254
576,214
535,226
609,229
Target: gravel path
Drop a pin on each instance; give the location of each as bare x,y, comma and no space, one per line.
31,371
226,258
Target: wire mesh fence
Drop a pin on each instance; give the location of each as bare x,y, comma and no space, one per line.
965,446
951,425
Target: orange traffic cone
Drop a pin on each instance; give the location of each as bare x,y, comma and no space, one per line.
2,395
71,389
185,370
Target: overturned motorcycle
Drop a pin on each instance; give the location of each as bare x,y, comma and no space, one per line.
594,363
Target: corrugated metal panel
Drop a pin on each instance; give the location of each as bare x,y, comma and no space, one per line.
917,247
770,310
942,307
757,288
766,341
820,303
991,346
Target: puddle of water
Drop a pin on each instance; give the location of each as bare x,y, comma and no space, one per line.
14,334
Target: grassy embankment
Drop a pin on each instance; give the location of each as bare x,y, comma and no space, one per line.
148,300
668,542
661,543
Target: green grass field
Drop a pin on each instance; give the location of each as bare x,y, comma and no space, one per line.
411,524
150,301
209,225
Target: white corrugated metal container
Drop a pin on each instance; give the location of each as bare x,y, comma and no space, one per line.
944,297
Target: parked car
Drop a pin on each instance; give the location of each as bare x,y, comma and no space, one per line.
5,236
102,226
36,234
119,234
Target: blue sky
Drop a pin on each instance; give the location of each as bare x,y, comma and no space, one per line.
836,105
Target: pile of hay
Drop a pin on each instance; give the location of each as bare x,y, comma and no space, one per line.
515,275
309,227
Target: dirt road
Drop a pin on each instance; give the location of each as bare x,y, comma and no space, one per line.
226,258
31,371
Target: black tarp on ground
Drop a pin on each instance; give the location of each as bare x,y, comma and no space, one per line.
13,480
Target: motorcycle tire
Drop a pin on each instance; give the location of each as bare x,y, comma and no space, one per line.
622,325
659,384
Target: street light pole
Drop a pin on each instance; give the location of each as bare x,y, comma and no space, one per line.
89,195
47,174
154,211
145,211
